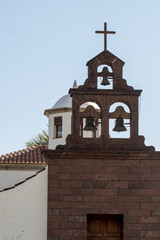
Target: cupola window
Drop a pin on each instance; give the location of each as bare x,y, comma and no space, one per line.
58,127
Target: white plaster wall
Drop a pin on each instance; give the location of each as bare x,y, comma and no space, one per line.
23,210
9,178
66,129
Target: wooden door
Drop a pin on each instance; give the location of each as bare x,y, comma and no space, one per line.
104,227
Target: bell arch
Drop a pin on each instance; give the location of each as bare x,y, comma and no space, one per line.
90,120
105,76
119,120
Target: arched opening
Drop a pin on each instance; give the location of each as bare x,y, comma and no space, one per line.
104,77
90,120
119,120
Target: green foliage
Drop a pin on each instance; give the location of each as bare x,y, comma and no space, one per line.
40,138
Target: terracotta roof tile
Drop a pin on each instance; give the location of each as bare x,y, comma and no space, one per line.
31,155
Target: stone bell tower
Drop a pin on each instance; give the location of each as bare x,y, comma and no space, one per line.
105,98
102,186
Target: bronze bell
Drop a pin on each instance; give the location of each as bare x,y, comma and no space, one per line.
105,74
90,124
119,127
105,81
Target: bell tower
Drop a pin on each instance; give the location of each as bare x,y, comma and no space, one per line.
118,95
104,179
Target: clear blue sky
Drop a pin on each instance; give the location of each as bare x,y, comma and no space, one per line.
45,44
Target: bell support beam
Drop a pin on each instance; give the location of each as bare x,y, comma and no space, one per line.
134,119
105,122
75,117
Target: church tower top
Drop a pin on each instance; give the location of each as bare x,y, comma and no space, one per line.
117,105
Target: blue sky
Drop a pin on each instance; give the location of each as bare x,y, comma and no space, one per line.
44,47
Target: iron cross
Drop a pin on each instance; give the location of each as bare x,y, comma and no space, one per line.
105,34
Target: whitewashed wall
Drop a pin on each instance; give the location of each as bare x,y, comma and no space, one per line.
23,210
8,178
66,129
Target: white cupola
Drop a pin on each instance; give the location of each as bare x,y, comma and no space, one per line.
60,119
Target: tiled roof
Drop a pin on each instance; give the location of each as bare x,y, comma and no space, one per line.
31,155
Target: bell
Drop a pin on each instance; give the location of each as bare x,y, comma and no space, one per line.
105,74
119,127
105,81
90,124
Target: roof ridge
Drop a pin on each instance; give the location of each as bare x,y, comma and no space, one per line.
24,149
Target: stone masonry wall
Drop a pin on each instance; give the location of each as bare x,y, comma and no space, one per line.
103,183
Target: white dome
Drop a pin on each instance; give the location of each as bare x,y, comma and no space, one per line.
63,102
66,102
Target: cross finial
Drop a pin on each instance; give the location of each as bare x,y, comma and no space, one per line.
105,34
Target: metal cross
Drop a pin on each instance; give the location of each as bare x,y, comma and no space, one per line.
105,34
